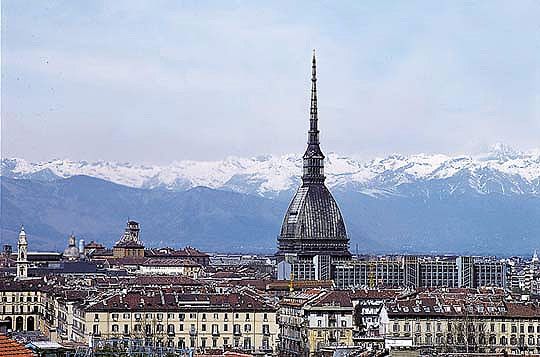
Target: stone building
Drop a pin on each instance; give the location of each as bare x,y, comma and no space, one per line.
130,244
21,303
313,235
463,321
314,321
199,321
22,255
71,252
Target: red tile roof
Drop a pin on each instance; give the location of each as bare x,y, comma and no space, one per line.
11,348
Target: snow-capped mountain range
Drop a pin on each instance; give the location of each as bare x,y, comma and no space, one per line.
502,170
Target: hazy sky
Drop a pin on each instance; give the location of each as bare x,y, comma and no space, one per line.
153,82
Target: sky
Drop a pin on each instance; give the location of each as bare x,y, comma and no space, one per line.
159,81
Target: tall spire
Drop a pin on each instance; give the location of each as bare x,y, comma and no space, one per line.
313,158
313,137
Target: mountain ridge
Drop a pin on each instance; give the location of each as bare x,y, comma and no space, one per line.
502,170
489,204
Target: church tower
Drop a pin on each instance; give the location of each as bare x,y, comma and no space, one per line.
22,258
313,231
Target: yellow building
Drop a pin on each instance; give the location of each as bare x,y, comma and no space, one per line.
202,322
462,322
315,320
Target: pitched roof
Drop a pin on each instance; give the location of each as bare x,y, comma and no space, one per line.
11,348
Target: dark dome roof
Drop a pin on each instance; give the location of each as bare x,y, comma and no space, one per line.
313,223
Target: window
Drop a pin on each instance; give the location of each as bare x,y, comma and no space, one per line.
503,329
216,316
126,316
247,343
204,316
247,317
170,316
236,315
247,328
203,327
225,327
115,328
170,328
126,329
181,327
181,317
192,316
215,329
265,316
159,327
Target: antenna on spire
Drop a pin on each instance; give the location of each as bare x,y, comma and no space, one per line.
313,164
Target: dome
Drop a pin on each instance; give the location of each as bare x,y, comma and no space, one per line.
71,253
313,223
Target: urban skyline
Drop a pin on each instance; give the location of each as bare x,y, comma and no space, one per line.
331,255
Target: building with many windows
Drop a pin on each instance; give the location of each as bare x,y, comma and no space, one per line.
421,271
314,321
463,320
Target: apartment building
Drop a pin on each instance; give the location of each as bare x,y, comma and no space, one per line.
315,320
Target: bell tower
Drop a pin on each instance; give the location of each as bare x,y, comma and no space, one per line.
22,255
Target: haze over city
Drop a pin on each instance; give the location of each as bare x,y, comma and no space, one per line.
155,82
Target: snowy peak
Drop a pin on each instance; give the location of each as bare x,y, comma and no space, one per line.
502,170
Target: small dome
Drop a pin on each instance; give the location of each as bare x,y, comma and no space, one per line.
71,253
